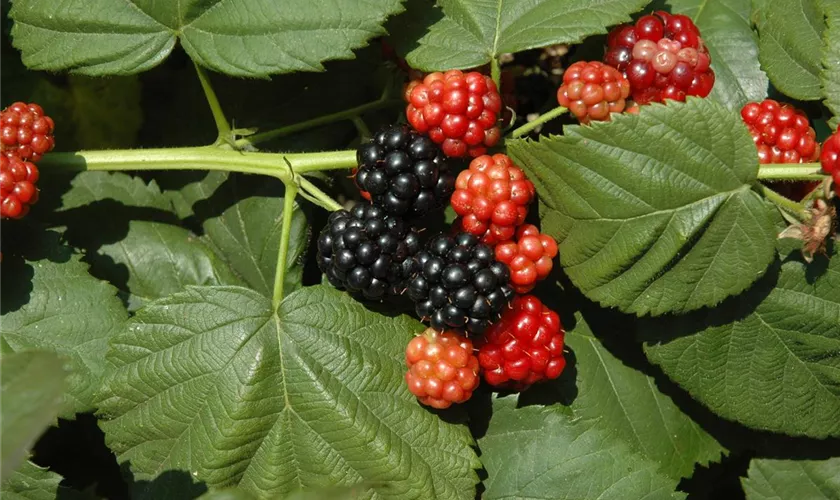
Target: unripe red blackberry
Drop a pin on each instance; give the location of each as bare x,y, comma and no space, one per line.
530,258
593,90
442,368
456,110
524,347
17,186
25,131
662,56
830,159
781,132
492,197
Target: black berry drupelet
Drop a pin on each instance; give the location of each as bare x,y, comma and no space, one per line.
457,283
366,251
405,173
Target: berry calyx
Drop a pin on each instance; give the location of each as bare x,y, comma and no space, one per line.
403,172
593,90
781,132
456,110
25,131
492,197
529,258
442,368
457,283
366,251
662,56
524,347
17,186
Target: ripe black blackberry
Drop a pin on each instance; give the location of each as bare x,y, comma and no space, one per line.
366,251
404,173
457,283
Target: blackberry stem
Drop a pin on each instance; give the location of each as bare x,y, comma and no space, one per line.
783,203
496,72
533,124
791,172
222,124
312,193
280,165
283,252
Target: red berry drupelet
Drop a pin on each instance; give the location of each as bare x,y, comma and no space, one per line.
529,258
442,368
662,56
492,197
830,159
524,347
25,131
17,186
781,132
456,110
593,90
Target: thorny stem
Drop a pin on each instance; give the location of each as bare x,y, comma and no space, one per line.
280,165
222,124
283,252
533,124
312,193
786,204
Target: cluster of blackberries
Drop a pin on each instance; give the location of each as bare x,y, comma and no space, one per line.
371,251
457,282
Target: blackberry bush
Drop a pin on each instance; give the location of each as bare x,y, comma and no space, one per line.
200,306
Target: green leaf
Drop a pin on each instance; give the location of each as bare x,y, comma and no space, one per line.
311,396
727,32
830,75
654,213
790,34
67,311
539,453
144,259
792,479
252,38
161,259
31,482
32,391
228,494
91,187
629,407
247,232
767,359
473,32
